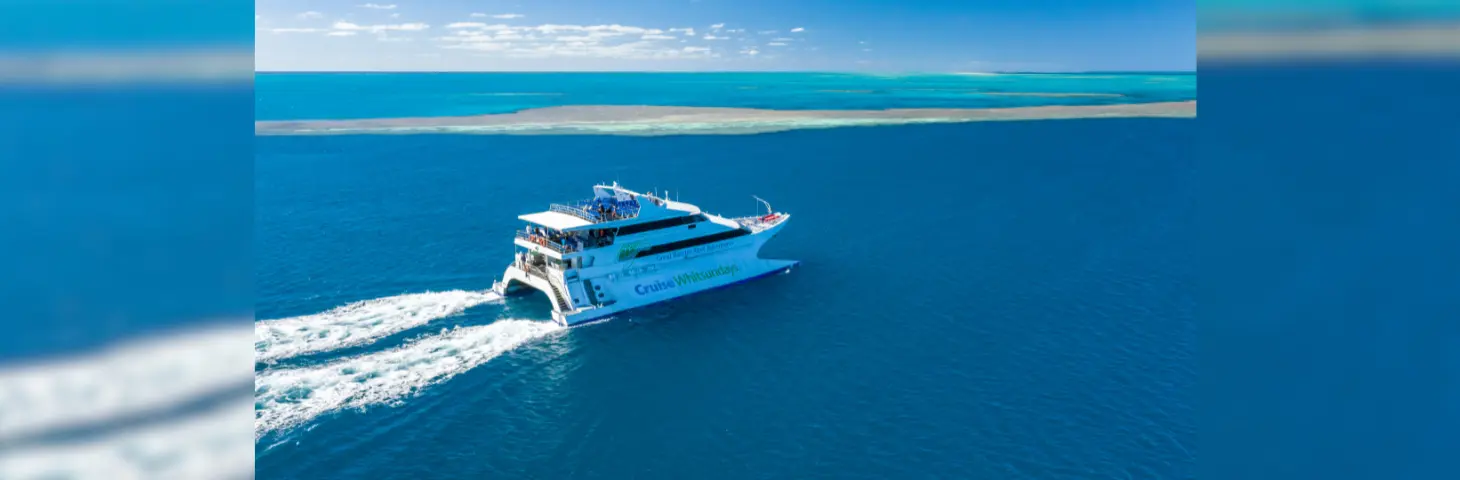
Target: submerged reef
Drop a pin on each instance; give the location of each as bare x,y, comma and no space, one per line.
661,120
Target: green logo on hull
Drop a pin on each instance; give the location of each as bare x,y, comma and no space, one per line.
693,277
629,250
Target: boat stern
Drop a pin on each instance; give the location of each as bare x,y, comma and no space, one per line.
516,281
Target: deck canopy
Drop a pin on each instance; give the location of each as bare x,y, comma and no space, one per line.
554,220
633,208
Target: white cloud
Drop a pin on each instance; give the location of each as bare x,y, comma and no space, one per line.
478,15
602,30
341,34
395,15
866,49
750,51
508,16
767,32
783,39
798,30
861,43
481,46
688,32
775,44
311,14
712,37
296,30
717,26
377,6
404,27
570,41
736,30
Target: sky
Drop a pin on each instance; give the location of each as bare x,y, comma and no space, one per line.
725,35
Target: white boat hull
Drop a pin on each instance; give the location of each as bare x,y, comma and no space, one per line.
614,286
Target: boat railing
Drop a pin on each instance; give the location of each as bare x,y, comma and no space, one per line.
580,242
579,212
542,241
758,222
584,210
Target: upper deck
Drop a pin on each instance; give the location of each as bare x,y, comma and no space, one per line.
613,211
599,210
611,206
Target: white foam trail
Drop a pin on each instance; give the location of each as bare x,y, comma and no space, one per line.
289,397
358,323
146,375
210,444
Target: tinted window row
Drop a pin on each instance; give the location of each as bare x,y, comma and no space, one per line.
659,224
693,242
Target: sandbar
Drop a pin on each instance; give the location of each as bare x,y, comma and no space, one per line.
665,120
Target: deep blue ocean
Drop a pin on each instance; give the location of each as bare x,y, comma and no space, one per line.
992,300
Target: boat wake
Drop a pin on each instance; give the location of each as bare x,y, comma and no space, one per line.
289,397
165,405
358,323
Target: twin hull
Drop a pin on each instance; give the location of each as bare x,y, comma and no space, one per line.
613,285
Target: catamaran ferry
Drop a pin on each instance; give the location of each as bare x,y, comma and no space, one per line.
623,249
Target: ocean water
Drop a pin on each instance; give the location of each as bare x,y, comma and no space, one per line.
997,300
1328,278
319,96
96,228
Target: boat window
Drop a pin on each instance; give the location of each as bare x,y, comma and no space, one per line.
660,224
693,242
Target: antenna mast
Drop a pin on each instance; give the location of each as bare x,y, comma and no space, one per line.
768,210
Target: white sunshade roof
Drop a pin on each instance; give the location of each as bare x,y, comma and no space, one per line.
555,220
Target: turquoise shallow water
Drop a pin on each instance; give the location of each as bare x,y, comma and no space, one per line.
312,96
